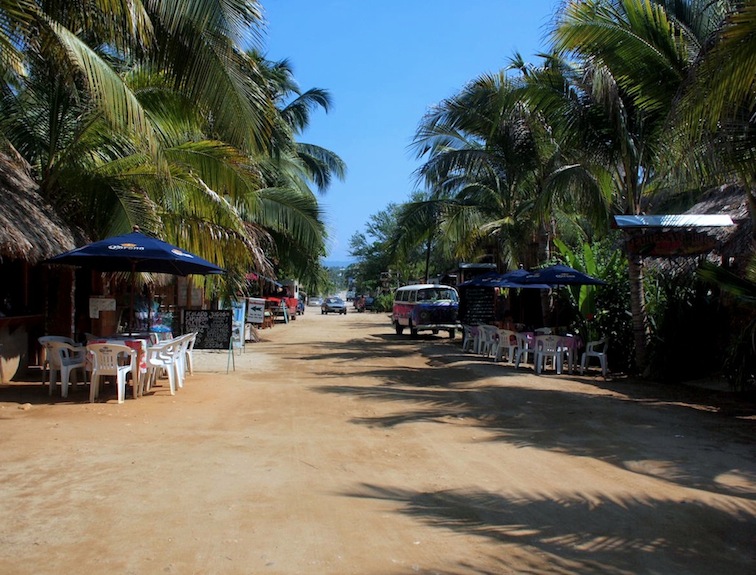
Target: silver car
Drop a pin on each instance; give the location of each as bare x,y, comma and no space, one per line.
333,304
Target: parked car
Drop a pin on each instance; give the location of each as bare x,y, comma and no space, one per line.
300,307
370,303
333,304
316,301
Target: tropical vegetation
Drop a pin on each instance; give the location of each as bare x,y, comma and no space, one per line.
635,105
163,114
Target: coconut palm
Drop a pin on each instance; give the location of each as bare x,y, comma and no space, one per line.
636,56
501,180
482,153
293,172
195,174
720,97
308,163
105,182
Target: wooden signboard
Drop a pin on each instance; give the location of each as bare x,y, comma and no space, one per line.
213,327
671,243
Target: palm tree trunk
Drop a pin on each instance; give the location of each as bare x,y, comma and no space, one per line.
638,309
752,211
544,254
427,258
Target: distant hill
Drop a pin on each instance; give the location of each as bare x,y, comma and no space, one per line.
332,263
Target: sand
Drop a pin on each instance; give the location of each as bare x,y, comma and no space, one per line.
334,446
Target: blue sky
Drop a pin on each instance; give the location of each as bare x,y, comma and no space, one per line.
385,64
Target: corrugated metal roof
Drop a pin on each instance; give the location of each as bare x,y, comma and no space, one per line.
674,221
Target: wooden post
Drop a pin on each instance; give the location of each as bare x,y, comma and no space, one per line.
188,292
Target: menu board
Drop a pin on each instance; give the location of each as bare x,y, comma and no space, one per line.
476,305
213,327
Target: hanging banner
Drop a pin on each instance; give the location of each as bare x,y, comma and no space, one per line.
671,244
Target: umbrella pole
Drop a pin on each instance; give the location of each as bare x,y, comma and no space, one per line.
133,287
149,307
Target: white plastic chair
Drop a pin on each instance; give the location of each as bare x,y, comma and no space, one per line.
567,351
595,349
487,340
189,352
116,360
547,347
66,358
470,335
43,341
524,349
161,358
182,343
507,341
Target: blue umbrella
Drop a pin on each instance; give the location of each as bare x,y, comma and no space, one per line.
560,274
135,252
512,279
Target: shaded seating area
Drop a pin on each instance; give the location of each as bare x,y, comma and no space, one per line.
539,349
138,359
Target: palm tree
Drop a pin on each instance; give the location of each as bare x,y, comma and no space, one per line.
636,56
105,181
483,153
500,175
291,170
193,156
720,97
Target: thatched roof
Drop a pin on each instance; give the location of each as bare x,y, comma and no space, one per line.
30,229
735,243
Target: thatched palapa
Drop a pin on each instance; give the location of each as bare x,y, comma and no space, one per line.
30,230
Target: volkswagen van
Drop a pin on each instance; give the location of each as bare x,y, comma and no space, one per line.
426,307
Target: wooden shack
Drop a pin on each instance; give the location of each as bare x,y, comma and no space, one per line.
33,299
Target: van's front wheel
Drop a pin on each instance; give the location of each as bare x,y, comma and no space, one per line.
413,330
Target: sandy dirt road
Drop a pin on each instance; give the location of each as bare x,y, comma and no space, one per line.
337,447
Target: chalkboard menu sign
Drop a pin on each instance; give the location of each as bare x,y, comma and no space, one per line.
213,327
476,305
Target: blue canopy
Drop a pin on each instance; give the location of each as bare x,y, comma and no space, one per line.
560,274
511,279
136,252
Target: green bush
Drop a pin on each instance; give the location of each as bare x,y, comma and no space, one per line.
383,303
601,311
